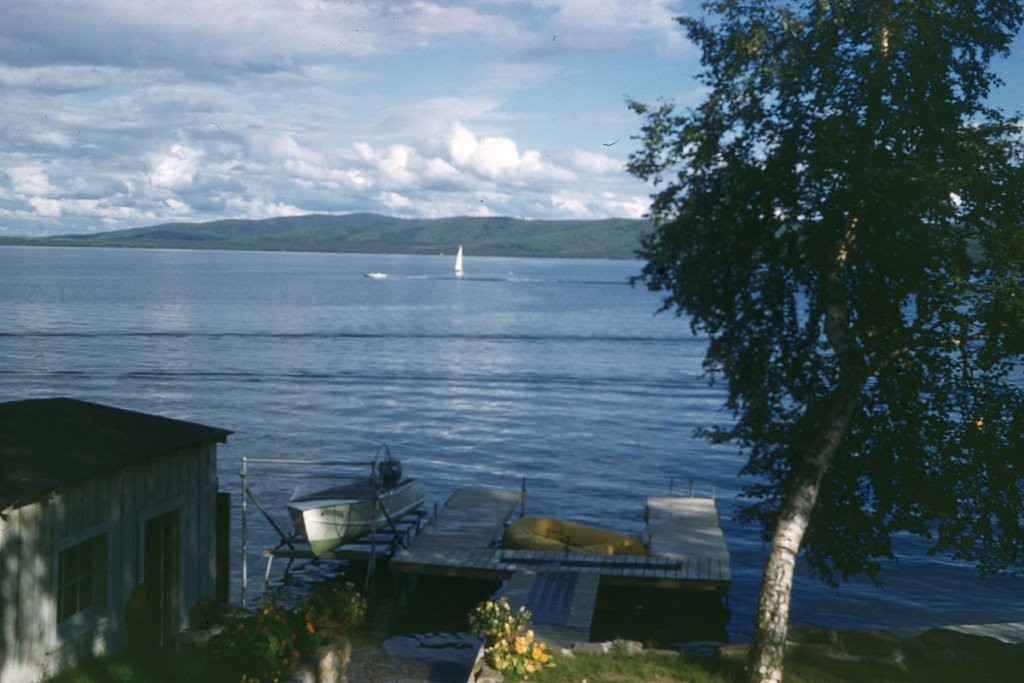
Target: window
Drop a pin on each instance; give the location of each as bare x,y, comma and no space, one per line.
82,578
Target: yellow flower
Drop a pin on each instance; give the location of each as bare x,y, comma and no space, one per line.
520,645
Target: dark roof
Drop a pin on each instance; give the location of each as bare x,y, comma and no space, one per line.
46,444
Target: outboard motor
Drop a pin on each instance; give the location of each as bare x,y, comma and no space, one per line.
390,472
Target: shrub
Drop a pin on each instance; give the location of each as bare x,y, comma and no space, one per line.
510,647
266,643
336,604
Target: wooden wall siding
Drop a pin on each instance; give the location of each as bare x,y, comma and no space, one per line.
121,501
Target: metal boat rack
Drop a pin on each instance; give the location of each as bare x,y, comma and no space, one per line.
396,534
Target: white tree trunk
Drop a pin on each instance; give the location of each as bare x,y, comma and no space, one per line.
764,664
772,623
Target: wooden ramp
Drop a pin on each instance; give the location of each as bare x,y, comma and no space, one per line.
562,603
460,540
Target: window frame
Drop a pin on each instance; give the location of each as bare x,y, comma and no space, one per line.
96,540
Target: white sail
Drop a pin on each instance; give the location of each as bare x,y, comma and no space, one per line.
458,262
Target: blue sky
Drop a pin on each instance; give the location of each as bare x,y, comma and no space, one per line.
124,113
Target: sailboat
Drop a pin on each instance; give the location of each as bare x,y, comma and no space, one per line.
458,262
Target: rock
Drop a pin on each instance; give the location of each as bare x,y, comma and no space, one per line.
948,639
592,648
734,650
332,661
943,646
812,635
485,674
301,674
196,637
696,648
207,614
328,665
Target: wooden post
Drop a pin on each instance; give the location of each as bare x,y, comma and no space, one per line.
245,540
371,566
222,592
522,499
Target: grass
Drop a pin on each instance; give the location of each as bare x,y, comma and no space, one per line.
622,666
162,667
819,656
816,656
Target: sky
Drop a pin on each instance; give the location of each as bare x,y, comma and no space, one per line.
119,114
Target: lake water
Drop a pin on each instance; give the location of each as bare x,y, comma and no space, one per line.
552,370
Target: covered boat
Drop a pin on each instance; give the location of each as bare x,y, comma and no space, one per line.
341,514
548,533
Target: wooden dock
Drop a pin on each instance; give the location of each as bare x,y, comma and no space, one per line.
686,530
461,539
687,551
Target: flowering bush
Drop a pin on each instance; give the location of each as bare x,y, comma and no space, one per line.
337,605
508,649
495,620
274,637
522,656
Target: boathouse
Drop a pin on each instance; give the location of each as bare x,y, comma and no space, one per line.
109,530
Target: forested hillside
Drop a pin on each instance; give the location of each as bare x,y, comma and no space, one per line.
374,233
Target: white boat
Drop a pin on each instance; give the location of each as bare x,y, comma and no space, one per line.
458,262
375,274
341,514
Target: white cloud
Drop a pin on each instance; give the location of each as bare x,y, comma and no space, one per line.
262,208
119,114
285,147
603,205
178,206
65,77
45,207
394,165
497,157
574,206
393,200
612,24
590,162
175,168
30,180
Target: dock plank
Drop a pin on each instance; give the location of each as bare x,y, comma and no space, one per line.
687,529
462,533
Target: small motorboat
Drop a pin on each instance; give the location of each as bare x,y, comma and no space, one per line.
334,516
547,533
375,275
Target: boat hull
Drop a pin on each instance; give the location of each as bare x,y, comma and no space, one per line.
546,533
334,517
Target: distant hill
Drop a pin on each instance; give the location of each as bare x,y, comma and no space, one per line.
374,233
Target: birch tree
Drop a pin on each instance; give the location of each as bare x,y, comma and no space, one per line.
841,216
